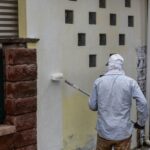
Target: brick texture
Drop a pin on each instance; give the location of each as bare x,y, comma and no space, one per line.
21,105
23,122
25,138
32,147
21,97
15,56
21,89
21,72
6,142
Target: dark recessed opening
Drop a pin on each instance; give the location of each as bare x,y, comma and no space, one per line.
127,3
121,39
113,19
92,17
81,39
69,16
92,60
102,40
130,21
102,3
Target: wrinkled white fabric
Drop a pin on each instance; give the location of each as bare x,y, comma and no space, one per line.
112,97
115,62
115,57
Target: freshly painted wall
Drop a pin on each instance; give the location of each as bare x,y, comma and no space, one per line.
63,118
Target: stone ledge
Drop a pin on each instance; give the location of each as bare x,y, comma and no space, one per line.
7,129
18,40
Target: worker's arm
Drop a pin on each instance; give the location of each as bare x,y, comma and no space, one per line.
141,104
93,99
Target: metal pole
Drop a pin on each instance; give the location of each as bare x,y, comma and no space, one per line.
77,88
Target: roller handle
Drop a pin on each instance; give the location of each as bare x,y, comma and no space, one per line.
74,86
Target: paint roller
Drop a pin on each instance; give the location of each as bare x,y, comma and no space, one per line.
56,77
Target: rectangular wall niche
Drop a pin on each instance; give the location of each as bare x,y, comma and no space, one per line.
113,19
92,17
121,39
92,60
127,3
81,39
130,21
102,3
102,39
69,16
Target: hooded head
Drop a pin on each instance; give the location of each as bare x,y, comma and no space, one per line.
115,62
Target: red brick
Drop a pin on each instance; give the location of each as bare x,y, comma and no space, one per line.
16,56
21,89
22,122
21,105
10,107
25,138
21,72
31,147
6,142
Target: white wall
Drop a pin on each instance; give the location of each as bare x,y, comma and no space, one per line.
57,51
43,22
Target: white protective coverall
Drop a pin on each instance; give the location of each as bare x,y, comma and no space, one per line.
112,97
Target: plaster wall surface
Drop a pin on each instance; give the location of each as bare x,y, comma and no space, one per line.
42,22
64,120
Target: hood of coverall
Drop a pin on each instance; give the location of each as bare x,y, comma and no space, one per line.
115,62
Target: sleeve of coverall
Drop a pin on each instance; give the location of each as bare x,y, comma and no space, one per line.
93,99
141,104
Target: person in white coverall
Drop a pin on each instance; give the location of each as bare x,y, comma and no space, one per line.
111,97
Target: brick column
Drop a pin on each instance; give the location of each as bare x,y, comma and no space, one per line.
21,92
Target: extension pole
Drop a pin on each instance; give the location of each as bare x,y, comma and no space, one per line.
77,88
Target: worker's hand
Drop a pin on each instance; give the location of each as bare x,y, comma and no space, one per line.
137,126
